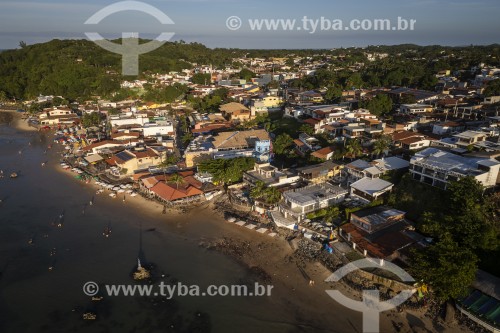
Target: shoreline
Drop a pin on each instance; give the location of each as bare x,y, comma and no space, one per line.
286,269
17,121
271,260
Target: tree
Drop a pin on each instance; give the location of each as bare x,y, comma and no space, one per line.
464,217
200,78
332,213
333,94
381,145
354,81
187,137
170,159
448,267
258,190
493,88
407,99
177,180
353,149
379,105
282,144
3,97
91,119
305,128
246,74
227,171
22,44
272,196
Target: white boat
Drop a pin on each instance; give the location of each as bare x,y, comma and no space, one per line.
129,191
121,190
116,188
113,195
133,194
123,186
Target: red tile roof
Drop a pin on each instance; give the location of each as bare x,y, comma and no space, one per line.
383,247
322,153
169,192
298,143
312,121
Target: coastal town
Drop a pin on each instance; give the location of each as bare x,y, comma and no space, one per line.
353,171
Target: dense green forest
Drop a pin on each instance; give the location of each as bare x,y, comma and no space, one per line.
79,68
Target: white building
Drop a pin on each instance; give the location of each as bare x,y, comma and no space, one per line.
437,168
158,129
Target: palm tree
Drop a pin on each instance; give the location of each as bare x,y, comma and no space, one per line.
381,145
258,191
272,195
177,179
354,149
332,213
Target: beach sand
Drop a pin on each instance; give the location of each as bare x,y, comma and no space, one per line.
17,122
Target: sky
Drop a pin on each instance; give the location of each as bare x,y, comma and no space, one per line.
444,22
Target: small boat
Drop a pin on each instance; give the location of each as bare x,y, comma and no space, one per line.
121,190
89,316
113,195
30,241
13,175
107,232
133,194
116,188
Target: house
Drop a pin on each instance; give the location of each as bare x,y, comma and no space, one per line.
410,140
310,96
438,167
157,129
316,124
270,176
353,131
324,154
360,169
320,172
420,96
130,161
447,128
251,143
370,189
468,138
492,100
107,146
381,232
125,136
305,143
128,119
482,303
169,192
235,111
415,108
299,202
58,116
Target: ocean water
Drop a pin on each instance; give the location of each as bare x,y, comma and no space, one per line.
34,299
